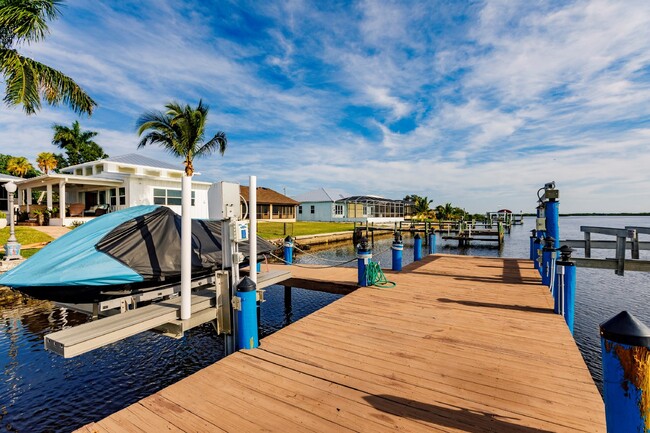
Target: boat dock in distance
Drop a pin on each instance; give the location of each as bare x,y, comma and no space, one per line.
461,344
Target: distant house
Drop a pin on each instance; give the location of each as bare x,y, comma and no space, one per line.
4,196
271,205
110,184
318,205
335,206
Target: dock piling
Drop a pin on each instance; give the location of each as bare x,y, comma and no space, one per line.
626,372
432,242
548,261
564,290
533,236
288,250
398,248
417,247
247,336
364,254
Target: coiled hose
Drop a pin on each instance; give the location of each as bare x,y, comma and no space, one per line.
375,276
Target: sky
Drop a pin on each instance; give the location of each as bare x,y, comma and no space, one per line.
477,103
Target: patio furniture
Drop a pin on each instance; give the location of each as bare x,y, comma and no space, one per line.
77,209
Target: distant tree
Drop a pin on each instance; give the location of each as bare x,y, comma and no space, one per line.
180,130
445,212
61,162
46,161
19,166
4,159
422,205
26,80
77,144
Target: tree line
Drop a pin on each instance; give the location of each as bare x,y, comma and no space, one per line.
77,147
423,210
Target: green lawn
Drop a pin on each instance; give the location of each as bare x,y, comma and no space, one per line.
271,230
25,236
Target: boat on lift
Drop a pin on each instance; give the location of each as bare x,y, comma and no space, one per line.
131,251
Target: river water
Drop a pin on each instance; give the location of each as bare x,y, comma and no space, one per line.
41,391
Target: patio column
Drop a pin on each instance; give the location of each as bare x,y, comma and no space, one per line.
48,189
270,211
62,200
29,198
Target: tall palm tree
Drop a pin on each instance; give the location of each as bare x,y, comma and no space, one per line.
421,205
27,80
19,166
181,131
78,144
46,161
445,212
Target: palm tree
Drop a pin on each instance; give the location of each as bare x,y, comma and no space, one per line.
46,161
445,212
27,80
78,144
181,131
421,205
19,166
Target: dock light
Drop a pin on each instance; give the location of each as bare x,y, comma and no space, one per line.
12,247
565,253
549,185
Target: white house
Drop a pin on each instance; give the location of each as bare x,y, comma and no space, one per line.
318,205
4,196
335,206
89,189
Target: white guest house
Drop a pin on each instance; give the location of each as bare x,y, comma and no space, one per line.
83,191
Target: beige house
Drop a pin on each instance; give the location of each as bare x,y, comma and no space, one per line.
271,205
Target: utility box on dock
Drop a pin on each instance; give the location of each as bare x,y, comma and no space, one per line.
223,201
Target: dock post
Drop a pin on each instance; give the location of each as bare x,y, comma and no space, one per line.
398,250
247,337
288,250
564,290
417,247
626,369
533,236
551,212
364,254
432,242
537,254
548,261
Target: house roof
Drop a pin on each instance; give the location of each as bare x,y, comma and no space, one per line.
8,177
267,196
321,195
134,159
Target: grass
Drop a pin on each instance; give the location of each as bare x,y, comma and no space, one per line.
271,230
25,236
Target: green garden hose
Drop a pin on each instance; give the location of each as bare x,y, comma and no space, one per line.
375,276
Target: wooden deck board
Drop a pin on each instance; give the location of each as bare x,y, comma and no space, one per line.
462,344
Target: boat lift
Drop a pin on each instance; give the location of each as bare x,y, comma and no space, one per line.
213,298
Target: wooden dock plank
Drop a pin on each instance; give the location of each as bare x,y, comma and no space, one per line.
462,344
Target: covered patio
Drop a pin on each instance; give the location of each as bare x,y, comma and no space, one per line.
69,197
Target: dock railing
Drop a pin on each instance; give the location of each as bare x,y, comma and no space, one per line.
626,238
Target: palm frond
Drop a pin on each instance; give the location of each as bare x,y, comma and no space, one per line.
27,19
217,143
27,80
21,81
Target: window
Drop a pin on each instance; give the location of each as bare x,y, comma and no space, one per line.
118,195
170,197
338,210
99,168
300,209
312,209
89,171
79,172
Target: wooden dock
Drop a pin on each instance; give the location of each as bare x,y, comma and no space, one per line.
462,344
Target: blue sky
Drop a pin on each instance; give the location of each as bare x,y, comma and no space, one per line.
476,103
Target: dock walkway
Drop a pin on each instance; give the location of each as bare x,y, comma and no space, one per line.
462,344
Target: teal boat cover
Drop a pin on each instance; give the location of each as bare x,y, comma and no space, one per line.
73,260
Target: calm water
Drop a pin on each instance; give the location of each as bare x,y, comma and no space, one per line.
41,391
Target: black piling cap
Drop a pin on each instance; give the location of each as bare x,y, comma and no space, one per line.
288,239
565,252
417,236
246,285
398,237
549,243
624,328
363,244
533,233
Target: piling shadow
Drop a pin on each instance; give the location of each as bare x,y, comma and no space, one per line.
500,306
470,421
